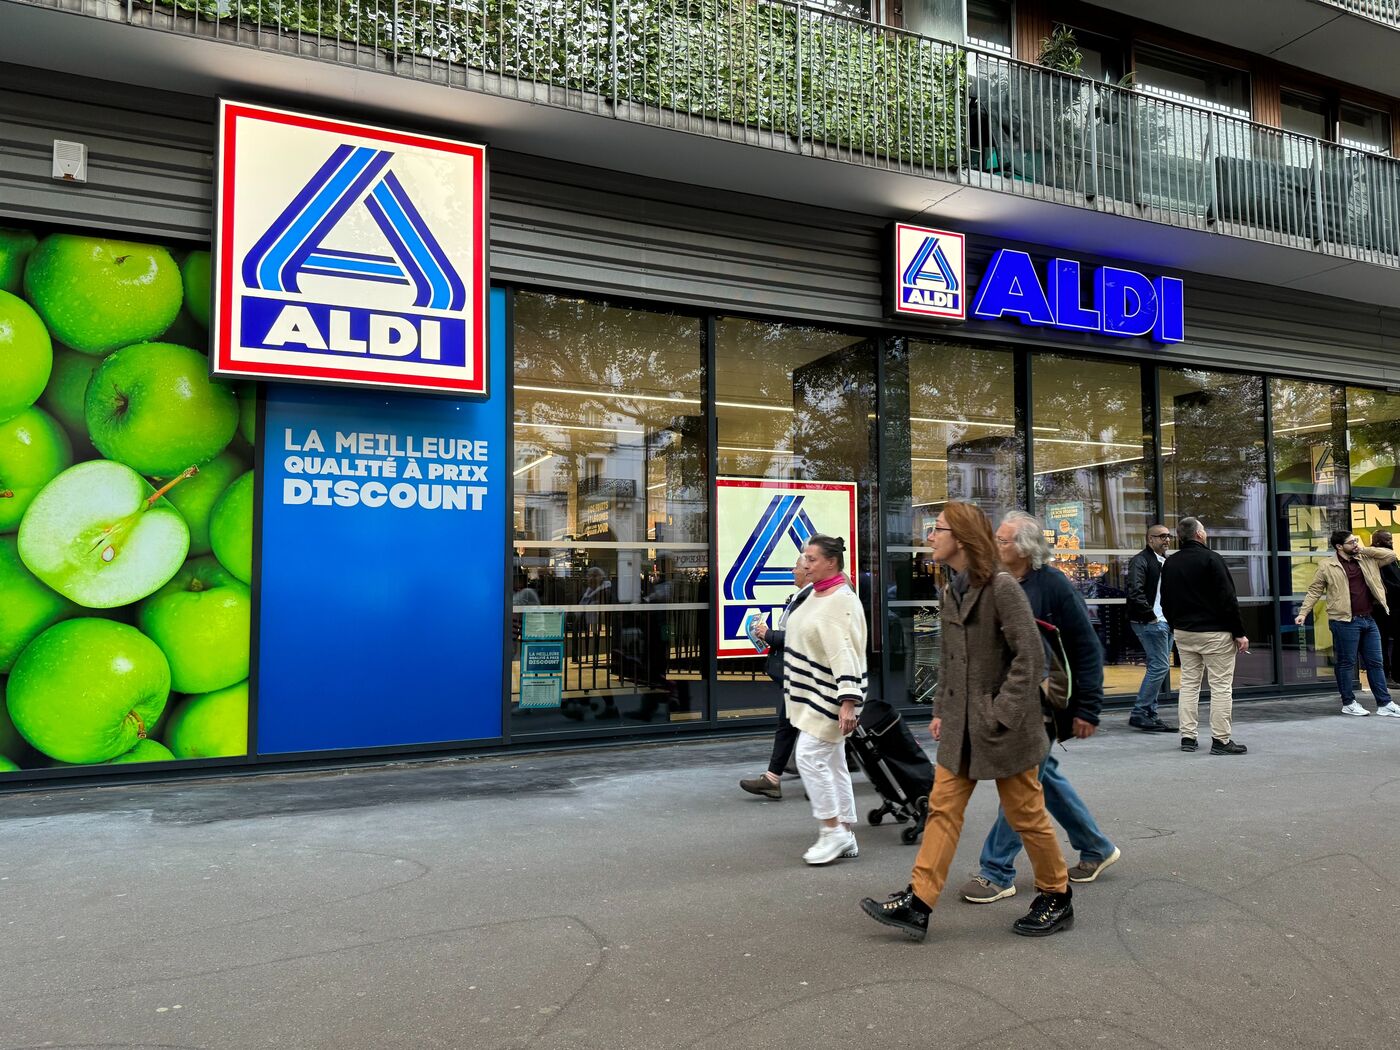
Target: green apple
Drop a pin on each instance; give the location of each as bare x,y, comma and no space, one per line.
26,356
153,407
15,246
231,528
6,766
86,690
201,620
195,499
34,450
64,397
210,725
144,751
101,536
97,294
27,608
194,271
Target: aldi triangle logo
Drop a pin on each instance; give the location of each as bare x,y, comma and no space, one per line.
354,176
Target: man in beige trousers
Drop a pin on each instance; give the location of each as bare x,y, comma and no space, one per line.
1198,600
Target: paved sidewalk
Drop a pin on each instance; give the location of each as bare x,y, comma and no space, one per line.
635,898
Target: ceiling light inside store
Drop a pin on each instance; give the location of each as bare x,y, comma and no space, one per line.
532,464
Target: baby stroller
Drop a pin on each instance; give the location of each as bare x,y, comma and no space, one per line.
885,750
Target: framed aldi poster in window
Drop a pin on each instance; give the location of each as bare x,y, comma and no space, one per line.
349,254
763,526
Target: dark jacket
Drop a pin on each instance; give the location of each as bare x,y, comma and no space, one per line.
1143,573
989,685
777,636
1053,599
1390,576
1198,593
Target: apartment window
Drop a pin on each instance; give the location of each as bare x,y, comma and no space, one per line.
1185,78
1364,128
989,25
1305,114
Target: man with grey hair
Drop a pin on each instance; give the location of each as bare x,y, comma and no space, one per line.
1023,552
1198,597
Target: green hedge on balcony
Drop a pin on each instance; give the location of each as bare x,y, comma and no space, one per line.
759,65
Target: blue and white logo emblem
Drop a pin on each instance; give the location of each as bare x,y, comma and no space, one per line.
349,254
929,272
783,520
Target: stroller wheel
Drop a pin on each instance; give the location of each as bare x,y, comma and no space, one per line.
875,816
911,834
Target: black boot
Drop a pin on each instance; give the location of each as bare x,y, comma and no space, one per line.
1050,913
903,910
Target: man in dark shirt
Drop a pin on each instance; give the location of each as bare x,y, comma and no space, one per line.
1350,583
1198,598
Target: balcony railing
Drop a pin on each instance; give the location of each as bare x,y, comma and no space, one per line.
1387,11
795,78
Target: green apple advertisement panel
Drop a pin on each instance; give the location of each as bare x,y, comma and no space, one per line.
126,494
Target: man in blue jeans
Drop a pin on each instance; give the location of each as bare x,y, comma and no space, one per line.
1150,626
1023,551
1350,583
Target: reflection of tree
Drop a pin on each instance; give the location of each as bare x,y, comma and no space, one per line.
1218,439
1374,419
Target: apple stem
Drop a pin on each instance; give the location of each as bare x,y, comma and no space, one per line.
6,494
188,472
140,725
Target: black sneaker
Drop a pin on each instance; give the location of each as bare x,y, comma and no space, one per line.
1050,913
1227,747
902,910
1188,743
1158,726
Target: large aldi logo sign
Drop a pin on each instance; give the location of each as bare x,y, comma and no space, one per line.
930,273
349,254
763,526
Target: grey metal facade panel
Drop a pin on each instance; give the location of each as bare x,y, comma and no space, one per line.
150,158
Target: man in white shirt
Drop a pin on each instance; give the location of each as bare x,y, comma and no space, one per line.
1150,626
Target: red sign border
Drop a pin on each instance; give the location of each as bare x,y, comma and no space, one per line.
221,363
852,546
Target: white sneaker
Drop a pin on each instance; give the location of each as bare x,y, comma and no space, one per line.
830,844
1354,708
1390,710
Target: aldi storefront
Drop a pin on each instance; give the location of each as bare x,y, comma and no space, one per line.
464,477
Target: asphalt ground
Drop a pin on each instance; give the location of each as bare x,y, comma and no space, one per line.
635,898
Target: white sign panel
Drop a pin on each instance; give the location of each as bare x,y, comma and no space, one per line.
346,253
930,273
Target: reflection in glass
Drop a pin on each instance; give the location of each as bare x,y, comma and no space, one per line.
1309,424
950,435
794,402
1373,432
1213,468
610,513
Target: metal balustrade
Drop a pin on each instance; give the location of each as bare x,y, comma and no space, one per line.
784,76
1385,11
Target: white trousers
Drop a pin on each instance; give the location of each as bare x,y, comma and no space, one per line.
826,778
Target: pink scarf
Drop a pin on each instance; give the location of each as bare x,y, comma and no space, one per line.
822,586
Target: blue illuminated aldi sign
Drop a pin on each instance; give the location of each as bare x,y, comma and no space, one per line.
1115,301
349,254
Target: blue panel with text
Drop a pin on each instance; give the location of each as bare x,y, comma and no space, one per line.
383,573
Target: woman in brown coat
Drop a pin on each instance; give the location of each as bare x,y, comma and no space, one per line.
987,721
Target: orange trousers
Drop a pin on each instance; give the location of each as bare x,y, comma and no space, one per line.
1024,803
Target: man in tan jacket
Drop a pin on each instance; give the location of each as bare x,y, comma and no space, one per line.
1350,584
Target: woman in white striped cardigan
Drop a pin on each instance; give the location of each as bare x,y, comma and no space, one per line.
824,681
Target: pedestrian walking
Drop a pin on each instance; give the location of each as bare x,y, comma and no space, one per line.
1149,623
1390,579
1198,598
986,720
824,687
1023,552
769,782
1350,583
